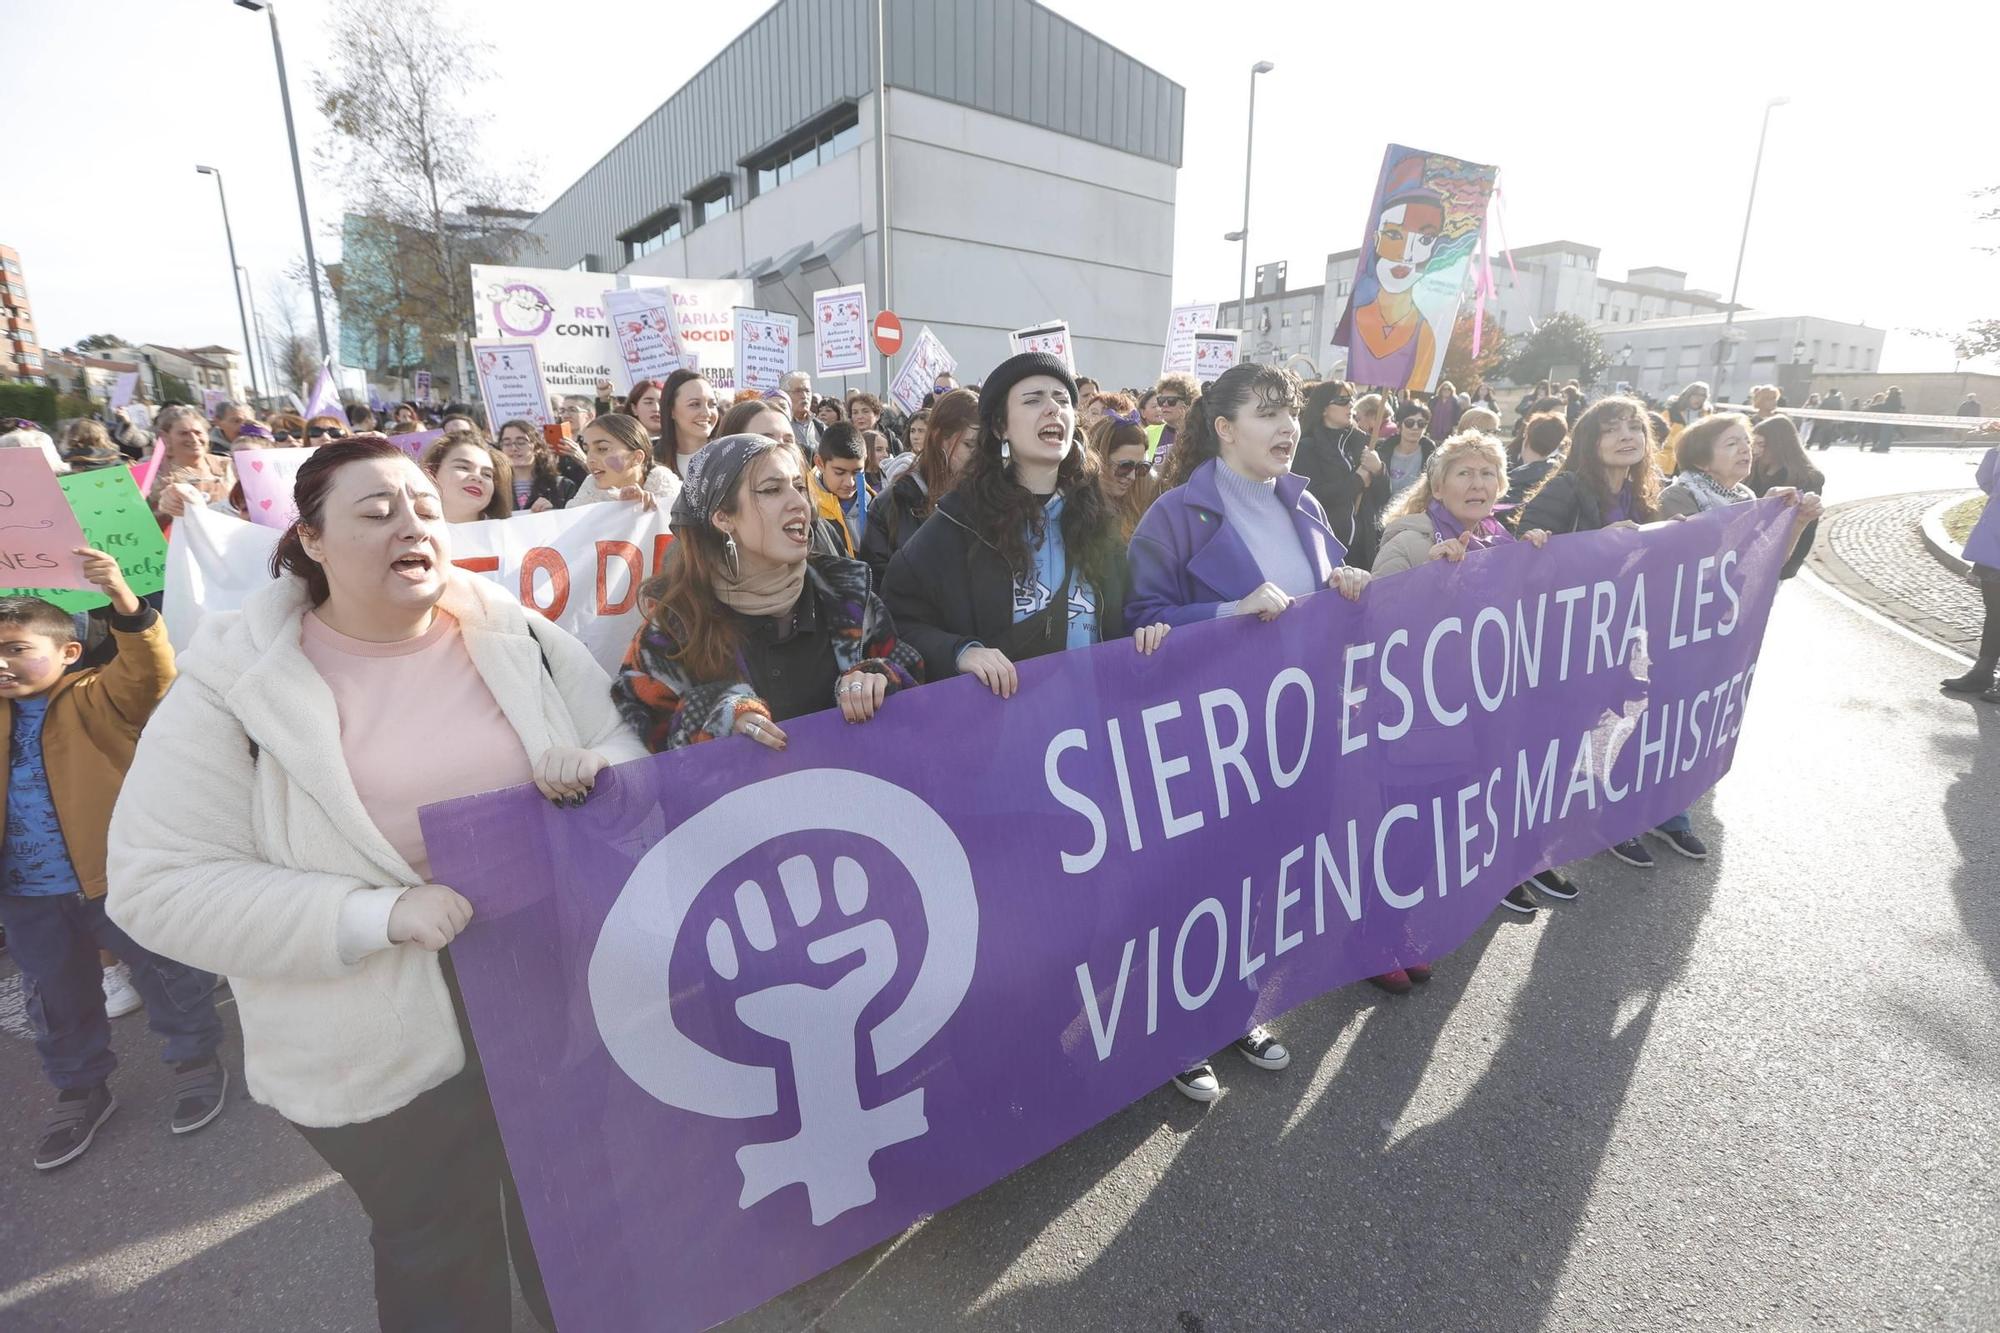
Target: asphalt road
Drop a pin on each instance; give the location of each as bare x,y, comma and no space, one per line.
1758,1092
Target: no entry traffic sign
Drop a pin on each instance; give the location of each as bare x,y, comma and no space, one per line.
888,333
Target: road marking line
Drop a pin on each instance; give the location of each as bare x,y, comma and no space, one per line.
1866,612
128,1267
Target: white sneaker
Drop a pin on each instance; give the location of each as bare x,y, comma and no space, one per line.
119,997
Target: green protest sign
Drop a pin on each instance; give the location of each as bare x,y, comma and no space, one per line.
115,520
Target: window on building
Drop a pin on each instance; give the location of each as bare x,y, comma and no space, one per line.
661,229
1306,317
710,204
1600,311
1815,349
814,145
1850,356
1285,320
10,265
1868,359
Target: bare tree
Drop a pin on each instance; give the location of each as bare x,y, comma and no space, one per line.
408,159
291,348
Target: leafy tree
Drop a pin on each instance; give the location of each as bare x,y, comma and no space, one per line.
174,389
98,342
1561,340
1461,367
1981,338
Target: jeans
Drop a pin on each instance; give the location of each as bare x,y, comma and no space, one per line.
435,1184
1680,823
54,940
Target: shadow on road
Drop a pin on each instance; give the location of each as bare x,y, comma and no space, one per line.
1968,813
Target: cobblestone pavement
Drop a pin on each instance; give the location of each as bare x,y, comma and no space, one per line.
1872,551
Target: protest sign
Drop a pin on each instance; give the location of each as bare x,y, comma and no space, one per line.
840,331
212,401
649,339
747,1013
1052,337
267,477
1215,350
115,520
38,533
1178,358
420,384
1423,230
416,442
140,415
581,567
766,349
143,473
123,386
510,382
705,312
927,360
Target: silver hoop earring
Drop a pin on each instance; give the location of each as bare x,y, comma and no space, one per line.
729,557
1006,451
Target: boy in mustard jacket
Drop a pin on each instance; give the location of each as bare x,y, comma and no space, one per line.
71,739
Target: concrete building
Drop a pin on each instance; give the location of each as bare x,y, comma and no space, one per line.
212,367
86,376
1031,176
1662,355
20,346
1283,326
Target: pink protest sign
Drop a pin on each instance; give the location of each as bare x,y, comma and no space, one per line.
416,442
143,473
38,531
268,476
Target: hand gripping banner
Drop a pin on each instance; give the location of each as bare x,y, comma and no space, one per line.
746,1013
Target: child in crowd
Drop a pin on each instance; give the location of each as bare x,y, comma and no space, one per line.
71,740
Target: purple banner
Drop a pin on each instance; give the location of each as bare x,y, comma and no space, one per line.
746,1013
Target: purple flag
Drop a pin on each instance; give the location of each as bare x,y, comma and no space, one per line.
325,397
747,1013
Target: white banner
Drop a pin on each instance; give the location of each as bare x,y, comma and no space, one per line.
840,331
1215,350
767,349
580,567
647,334
1052,337
927,360
510,383
1178,358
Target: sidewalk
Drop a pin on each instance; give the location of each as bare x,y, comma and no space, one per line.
1873,551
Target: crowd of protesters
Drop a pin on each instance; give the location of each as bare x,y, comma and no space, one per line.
829,553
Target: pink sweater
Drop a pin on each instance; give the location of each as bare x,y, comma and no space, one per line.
417,725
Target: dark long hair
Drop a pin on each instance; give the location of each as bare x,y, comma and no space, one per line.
1228,395
668,451
1584,462
1005,513
1784,462
952,413
315,479
1312,425
542,473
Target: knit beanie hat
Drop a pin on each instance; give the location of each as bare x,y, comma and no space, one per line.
993,393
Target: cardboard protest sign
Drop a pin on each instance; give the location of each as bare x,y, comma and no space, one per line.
1215,350
581,568
1423,230
648,335
123,387
745,1014
38,533
143,473
267,476
416,442
212,401
1052,337
1178,358
420,384
705,313
927,360
766,349
840,331
510,382
114,518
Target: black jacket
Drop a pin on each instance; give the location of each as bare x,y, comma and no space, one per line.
557,495
892,520
1521,483
1375,501
947,588
1330,462
1565,504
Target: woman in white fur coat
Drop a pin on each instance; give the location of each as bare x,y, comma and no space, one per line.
369,679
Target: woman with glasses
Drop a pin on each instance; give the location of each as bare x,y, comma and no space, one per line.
288,430
325,430
1119,442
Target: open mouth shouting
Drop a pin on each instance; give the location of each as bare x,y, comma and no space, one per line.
797,530
414,567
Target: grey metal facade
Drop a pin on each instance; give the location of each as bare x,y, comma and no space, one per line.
802,58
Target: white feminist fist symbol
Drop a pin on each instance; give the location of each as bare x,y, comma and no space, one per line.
630,990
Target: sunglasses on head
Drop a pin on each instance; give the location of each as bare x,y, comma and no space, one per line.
318,432
1131,467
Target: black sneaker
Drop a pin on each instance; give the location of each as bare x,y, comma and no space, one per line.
1518,899
1198,1083
73,1124
199,1088
1555,884
1633,853
1972,682
1684,842
1261,1049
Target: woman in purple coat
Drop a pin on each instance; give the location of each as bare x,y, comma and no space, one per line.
1982,551
1238,535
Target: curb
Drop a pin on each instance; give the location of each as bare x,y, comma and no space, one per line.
1938,540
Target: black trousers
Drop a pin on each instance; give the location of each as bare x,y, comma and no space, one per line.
442,1209
1989,636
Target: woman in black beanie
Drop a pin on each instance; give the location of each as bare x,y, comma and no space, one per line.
1023,557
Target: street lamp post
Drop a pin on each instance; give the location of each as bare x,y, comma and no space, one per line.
229,235
1249,147
263,352
298,172
1757,167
